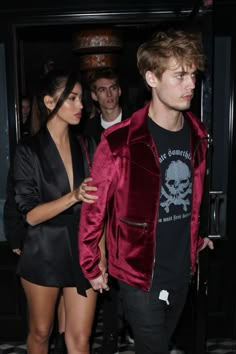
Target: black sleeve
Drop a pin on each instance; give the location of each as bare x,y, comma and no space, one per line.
14,225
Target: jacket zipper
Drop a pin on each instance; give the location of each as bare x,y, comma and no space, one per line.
134,223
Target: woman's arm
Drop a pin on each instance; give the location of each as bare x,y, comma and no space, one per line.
47,211
103,257
27,190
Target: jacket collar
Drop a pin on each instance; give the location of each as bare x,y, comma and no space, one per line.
53,159
139,129
138,126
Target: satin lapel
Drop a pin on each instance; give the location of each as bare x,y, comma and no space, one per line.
77,160
54,163
138,125
142,147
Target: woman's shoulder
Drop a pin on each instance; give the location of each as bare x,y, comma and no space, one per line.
30,143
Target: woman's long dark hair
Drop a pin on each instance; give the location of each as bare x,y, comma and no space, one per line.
49,85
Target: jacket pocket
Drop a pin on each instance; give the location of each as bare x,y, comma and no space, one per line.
130,233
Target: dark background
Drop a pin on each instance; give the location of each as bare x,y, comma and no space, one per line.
33,33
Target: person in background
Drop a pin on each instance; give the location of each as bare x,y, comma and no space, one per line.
150,191
106,92
50,177
25,115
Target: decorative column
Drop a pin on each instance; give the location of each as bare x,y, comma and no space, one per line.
97,47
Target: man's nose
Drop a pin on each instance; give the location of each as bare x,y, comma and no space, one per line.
191,82
109,92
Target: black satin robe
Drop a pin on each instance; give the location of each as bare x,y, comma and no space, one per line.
49,256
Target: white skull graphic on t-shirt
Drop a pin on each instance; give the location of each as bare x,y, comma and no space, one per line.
177,186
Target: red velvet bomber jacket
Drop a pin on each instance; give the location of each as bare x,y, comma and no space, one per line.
126,171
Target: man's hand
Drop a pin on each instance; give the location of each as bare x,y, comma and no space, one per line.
207,243
17,251
100,283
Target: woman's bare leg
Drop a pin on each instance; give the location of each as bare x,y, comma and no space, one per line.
60,346
41,307
80,311
61,314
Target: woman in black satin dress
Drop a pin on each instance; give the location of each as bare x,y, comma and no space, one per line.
50,182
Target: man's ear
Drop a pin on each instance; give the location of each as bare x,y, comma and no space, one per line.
49,102
94,96
120,91
151,78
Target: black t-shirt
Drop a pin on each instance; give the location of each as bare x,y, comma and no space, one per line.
172,260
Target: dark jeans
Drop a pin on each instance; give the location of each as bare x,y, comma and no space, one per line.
152,321
110,303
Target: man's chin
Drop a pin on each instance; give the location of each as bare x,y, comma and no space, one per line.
110,107
184,107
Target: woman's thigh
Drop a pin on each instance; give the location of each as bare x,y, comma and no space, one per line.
41,301
79,311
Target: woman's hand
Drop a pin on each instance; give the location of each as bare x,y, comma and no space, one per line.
83,192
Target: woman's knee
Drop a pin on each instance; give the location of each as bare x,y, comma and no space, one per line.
40,334
79,340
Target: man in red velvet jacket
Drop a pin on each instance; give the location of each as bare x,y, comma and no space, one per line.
150,172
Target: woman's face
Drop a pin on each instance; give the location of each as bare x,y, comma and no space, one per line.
25,109
71,110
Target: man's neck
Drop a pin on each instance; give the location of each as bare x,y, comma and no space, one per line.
166,118
110,115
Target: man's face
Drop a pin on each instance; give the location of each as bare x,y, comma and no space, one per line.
107,93
175,88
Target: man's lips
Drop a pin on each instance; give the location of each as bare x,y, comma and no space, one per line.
188,97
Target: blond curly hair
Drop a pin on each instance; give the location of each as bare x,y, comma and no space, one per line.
183,46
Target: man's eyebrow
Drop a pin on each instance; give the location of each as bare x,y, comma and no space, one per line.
106,86
179,72
185,72
74,93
